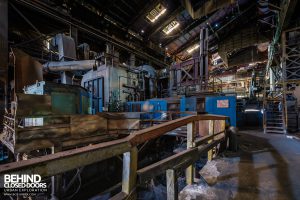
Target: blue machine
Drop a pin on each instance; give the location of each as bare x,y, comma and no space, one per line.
151,106
154,105
222,105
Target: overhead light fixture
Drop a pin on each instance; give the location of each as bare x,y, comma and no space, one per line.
170,27
156,12
193,48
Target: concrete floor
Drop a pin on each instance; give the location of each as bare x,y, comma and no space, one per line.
265,167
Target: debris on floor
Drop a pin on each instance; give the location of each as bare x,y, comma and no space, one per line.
210,172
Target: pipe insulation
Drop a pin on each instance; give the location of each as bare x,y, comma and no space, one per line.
70,65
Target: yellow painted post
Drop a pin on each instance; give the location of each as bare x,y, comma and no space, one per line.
210,132
129,171
190,143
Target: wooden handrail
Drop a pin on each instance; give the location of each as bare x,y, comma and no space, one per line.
60,162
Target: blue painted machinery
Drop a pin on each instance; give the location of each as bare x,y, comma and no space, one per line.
218,105
222,105
153,107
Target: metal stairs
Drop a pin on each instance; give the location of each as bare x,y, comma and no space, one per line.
274,118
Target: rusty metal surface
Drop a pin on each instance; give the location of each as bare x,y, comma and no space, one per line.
27,70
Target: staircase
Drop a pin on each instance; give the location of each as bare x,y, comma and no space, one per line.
274,116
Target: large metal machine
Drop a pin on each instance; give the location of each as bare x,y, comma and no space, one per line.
65,99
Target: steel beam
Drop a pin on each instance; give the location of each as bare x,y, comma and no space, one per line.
208,7
44,9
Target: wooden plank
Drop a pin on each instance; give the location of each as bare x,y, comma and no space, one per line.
84,125
180,161
33,105
50,165
160,167
172,184
42,132
144,135
53,164
123,124
119,196
205,139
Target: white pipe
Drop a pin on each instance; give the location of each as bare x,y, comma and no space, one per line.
70,65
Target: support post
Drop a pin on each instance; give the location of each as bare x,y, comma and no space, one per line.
284,82
56,181
190,143
172,184
210,132
129,171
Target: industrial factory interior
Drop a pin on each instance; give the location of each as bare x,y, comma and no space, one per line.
149,99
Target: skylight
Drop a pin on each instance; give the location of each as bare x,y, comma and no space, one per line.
170,27
193,48
156,12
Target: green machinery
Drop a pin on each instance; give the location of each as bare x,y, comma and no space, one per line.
65,99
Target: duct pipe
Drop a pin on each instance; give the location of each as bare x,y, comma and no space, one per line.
70,65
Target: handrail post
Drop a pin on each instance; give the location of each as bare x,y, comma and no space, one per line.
190,144
172,184
210,132
129,171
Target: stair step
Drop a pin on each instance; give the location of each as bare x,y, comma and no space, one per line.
274,123
274,127
274,131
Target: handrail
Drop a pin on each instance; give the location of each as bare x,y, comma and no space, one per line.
60,162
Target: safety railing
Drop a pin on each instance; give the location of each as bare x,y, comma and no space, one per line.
60,162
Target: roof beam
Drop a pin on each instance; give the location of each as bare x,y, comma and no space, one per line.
242,17
98,33
145,9
206,8
184,31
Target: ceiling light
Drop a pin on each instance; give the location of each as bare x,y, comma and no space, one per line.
170,27
193,48
142,31
156,12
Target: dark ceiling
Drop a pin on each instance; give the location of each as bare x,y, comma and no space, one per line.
124,23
